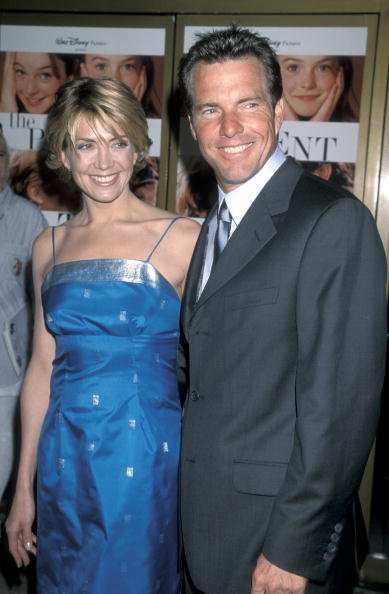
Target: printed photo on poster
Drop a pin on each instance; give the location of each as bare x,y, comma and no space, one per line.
36,61
321,88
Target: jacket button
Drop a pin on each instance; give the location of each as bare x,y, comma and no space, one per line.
194,395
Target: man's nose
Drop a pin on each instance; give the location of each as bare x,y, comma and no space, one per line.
231,125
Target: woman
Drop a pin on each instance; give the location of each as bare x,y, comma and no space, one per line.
108,284
31,80
316,88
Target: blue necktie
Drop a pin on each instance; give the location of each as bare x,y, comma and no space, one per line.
222,231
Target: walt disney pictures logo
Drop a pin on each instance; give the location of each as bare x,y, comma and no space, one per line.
76,43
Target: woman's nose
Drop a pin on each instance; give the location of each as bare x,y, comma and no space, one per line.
31,86
307,79
104,158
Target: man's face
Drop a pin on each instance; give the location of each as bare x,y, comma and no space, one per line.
3,164
232,118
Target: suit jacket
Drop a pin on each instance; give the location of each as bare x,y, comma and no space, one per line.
286,361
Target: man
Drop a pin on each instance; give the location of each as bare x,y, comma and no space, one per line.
20,223
286,334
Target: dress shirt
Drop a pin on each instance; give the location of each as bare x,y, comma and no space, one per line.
238,202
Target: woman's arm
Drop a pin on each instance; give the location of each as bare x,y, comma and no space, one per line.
34,403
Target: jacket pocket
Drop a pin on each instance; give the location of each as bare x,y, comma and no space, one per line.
264,296
258,478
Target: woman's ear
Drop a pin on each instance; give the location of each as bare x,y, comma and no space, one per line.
65,160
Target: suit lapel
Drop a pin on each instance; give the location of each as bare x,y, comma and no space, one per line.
195,270
255,230
251,235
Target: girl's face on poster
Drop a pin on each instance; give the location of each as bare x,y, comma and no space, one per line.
307,81
128,69
37,78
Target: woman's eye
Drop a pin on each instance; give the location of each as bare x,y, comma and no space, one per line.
292,68
325,68
83,146
46,75
101,67
121,144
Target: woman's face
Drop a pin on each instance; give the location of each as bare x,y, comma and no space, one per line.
128,69
37,78
307,81
101,163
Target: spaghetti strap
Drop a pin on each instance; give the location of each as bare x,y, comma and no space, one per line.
53,243
170,225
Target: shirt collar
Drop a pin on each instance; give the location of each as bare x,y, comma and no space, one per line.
240,199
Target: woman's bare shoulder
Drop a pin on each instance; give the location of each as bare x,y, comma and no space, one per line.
187,227
43,249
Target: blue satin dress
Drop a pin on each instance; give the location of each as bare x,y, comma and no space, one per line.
109,447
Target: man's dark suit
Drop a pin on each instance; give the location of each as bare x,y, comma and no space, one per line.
286,360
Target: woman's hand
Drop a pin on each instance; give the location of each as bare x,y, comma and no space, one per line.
7,93
140,87
328,106
21,539
289,113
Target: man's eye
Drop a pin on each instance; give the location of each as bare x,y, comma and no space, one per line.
209,111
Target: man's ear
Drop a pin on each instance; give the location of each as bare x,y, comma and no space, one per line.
34,193
278,114
192,127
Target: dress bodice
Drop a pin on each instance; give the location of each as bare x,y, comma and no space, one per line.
119,297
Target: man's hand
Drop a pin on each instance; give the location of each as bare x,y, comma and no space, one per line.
270,579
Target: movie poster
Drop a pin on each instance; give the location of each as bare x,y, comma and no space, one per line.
322,73
35,61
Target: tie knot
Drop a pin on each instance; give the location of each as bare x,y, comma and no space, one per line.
224,214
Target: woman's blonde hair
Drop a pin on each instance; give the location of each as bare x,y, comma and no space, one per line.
108,102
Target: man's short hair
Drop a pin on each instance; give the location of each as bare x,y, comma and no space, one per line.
233,43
